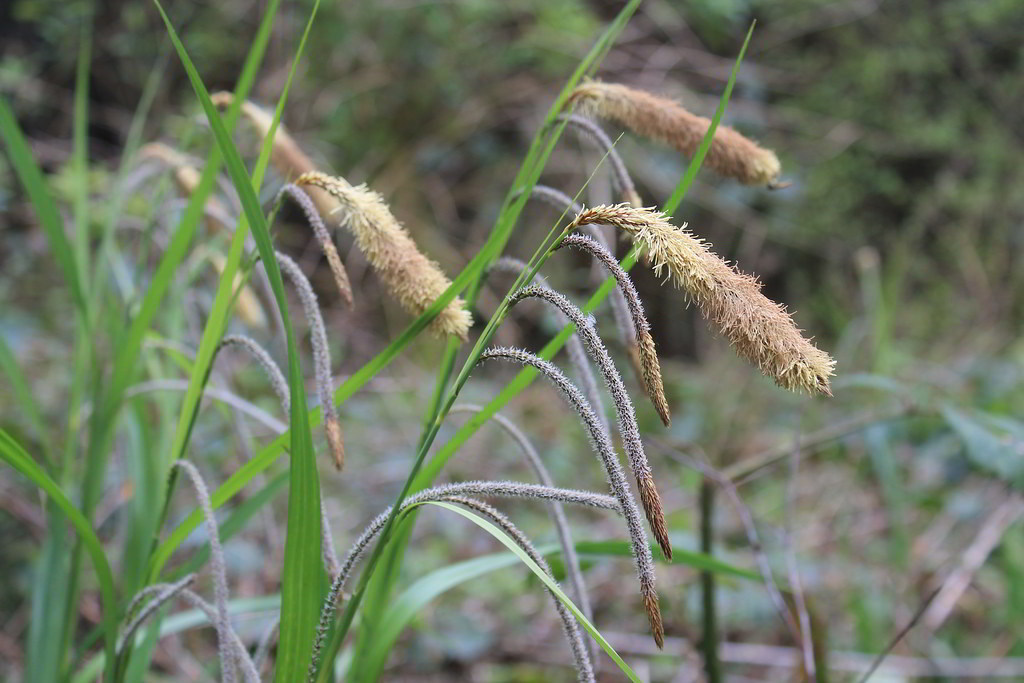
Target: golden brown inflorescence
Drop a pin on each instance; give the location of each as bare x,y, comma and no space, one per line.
666,121
759,329
412,278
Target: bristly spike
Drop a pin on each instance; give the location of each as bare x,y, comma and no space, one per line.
620,309
641,550
321,356
459,493
573,346
305,202
628,427
666,121
759,329
642,347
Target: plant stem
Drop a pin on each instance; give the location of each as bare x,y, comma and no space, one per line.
709,641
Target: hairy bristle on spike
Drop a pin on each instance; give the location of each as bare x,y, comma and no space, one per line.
408,275
759,329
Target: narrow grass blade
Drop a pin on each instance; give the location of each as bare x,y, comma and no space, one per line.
24,398
503,538
28,171
302,577
15,456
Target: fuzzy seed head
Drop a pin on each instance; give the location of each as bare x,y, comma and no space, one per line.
666,121
759,329
409,276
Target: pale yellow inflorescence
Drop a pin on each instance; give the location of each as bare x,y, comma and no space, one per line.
666,121
412,278
759,329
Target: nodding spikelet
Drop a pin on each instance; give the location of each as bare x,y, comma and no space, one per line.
412,279
642,348
593,132
321,356
277,381
759,329
217,566
641,550
460,493
573,346
305,202
620,309
666,121
162,593
562,528
628,428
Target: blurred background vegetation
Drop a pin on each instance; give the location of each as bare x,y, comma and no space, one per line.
898,245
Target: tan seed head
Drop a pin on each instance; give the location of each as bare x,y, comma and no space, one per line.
408,275
759,329
666,121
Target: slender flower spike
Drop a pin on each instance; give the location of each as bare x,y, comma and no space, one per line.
628,428
321,355
641,348
759,329
305,202
666,121
642,558
412,278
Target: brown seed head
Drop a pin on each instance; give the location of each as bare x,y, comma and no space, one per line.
666,121
332,426
759,329
654,617
655,514
645,356
413,279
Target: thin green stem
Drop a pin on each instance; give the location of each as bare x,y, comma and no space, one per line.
709,614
